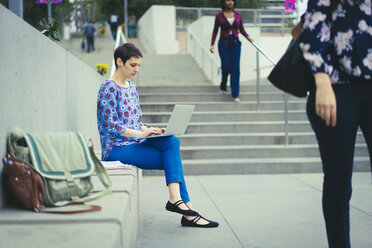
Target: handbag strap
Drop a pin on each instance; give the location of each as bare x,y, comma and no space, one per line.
102,175
295,32
15,136
91,208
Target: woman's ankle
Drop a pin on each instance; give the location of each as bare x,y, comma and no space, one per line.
174,199
189,205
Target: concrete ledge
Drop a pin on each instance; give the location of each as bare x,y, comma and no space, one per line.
116,225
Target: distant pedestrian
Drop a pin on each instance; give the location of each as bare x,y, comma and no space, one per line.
337,42
229,46
89,31
131,24
114,22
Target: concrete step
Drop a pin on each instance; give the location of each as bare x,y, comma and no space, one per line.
267,165
149,73
224,106
242,127
168,82
170,69
210,139
160,79
168,57
257,151
208,97
156,68
202,88
233,116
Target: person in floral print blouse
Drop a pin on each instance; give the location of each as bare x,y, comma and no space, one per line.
123,135
337,42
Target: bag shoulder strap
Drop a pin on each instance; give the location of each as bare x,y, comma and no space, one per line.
87,208
17,146
102,175
295,32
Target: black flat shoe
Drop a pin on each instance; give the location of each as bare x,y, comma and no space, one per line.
173,207
193,222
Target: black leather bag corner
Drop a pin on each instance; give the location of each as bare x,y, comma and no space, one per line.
292,74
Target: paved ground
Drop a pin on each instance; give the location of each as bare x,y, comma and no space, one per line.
254,211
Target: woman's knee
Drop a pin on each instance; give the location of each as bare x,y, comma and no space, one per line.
171,143
227,68
338,186
174,141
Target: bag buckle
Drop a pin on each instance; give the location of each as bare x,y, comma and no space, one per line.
69,179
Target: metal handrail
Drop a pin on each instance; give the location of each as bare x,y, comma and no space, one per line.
262,52
258,91
202,46
205,51
119,36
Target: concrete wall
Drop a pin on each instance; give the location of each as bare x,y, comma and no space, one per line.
157,30
272,46
43,87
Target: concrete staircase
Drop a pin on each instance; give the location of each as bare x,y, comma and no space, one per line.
224,137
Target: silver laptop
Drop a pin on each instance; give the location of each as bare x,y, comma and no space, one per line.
178,121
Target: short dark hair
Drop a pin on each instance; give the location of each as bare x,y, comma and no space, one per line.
125,52
222,4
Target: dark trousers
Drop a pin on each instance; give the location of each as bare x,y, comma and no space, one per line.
336,146
114,30
229,50
90,43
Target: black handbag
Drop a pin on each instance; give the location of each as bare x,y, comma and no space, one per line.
82,44
292,74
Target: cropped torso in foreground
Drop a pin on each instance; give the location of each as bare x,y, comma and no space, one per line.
342,48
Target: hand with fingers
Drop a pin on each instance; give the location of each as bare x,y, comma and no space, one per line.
211,49
151,131
325,99
249,38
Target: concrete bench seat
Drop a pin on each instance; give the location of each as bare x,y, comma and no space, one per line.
116,225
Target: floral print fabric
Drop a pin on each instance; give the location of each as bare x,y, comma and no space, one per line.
342,48
117,109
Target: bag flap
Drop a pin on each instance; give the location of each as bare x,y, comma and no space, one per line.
60,155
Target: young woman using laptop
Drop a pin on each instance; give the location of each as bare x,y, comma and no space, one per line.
122,135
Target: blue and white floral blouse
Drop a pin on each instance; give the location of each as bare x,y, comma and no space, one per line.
118,108
345,54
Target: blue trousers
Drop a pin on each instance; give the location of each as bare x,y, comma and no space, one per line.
155,154
229,50
336,146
